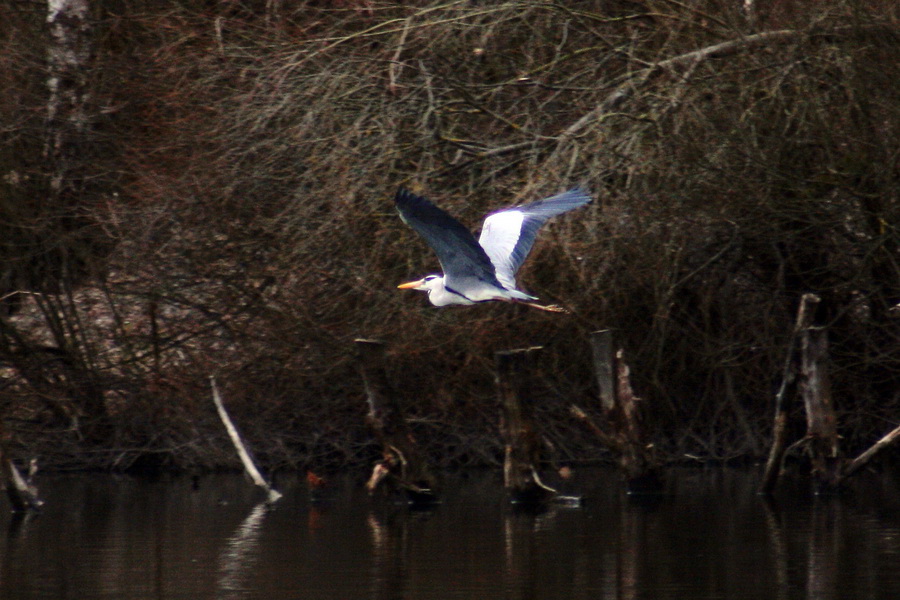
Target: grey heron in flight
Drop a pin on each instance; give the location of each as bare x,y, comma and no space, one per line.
483,270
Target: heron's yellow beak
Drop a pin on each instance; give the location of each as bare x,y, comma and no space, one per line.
411,285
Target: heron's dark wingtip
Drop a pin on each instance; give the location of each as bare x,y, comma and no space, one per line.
404,196
409,203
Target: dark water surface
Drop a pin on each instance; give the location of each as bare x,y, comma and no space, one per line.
711,537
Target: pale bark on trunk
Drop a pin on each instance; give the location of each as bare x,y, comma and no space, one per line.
66,245
69,57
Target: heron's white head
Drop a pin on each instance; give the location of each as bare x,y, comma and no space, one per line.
438,294
428,284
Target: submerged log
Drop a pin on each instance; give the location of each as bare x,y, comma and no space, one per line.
403,466
624,434
521,441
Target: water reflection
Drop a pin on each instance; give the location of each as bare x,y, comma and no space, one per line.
711,537
779,550
389,549
835,548
240,554
525,529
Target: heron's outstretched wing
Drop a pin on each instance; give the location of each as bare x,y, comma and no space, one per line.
460,255
508,235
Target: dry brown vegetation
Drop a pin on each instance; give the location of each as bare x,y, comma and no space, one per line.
242,167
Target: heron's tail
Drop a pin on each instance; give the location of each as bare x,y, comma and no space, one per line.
517,295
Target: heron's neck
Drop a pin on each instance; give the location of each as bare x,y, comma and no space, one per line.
439,295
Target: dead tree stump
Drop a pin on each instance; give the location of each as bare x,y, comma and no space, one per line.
806,371
821,423
624,434
638,460
403,466
786,391
521,441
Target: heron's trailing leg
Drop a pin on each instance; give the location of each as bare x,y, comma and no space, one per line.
554,308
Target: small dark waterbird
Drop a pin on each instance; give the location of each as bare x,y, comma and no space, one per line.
482,270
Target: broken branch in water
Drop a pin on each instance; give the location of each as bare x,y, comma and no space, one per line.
249,466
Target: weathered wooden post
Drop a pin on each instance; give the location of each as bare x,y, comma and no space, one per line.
403,465
620,407
521,441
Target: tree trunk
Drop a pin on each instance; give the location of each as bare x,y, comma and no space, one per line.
639,457
69,57
67,242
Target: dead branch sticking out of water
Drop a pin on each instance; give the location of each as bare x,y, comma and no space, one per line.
863,459
272,495
22,493
403,466
806,370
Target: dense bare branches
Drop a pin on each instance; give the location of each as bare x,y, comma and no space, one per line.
739,162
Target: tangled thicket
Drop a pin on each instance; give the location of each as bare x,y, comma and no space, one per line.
740,154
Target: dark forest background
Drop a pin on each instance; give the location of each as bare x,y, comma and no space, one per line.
219,203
